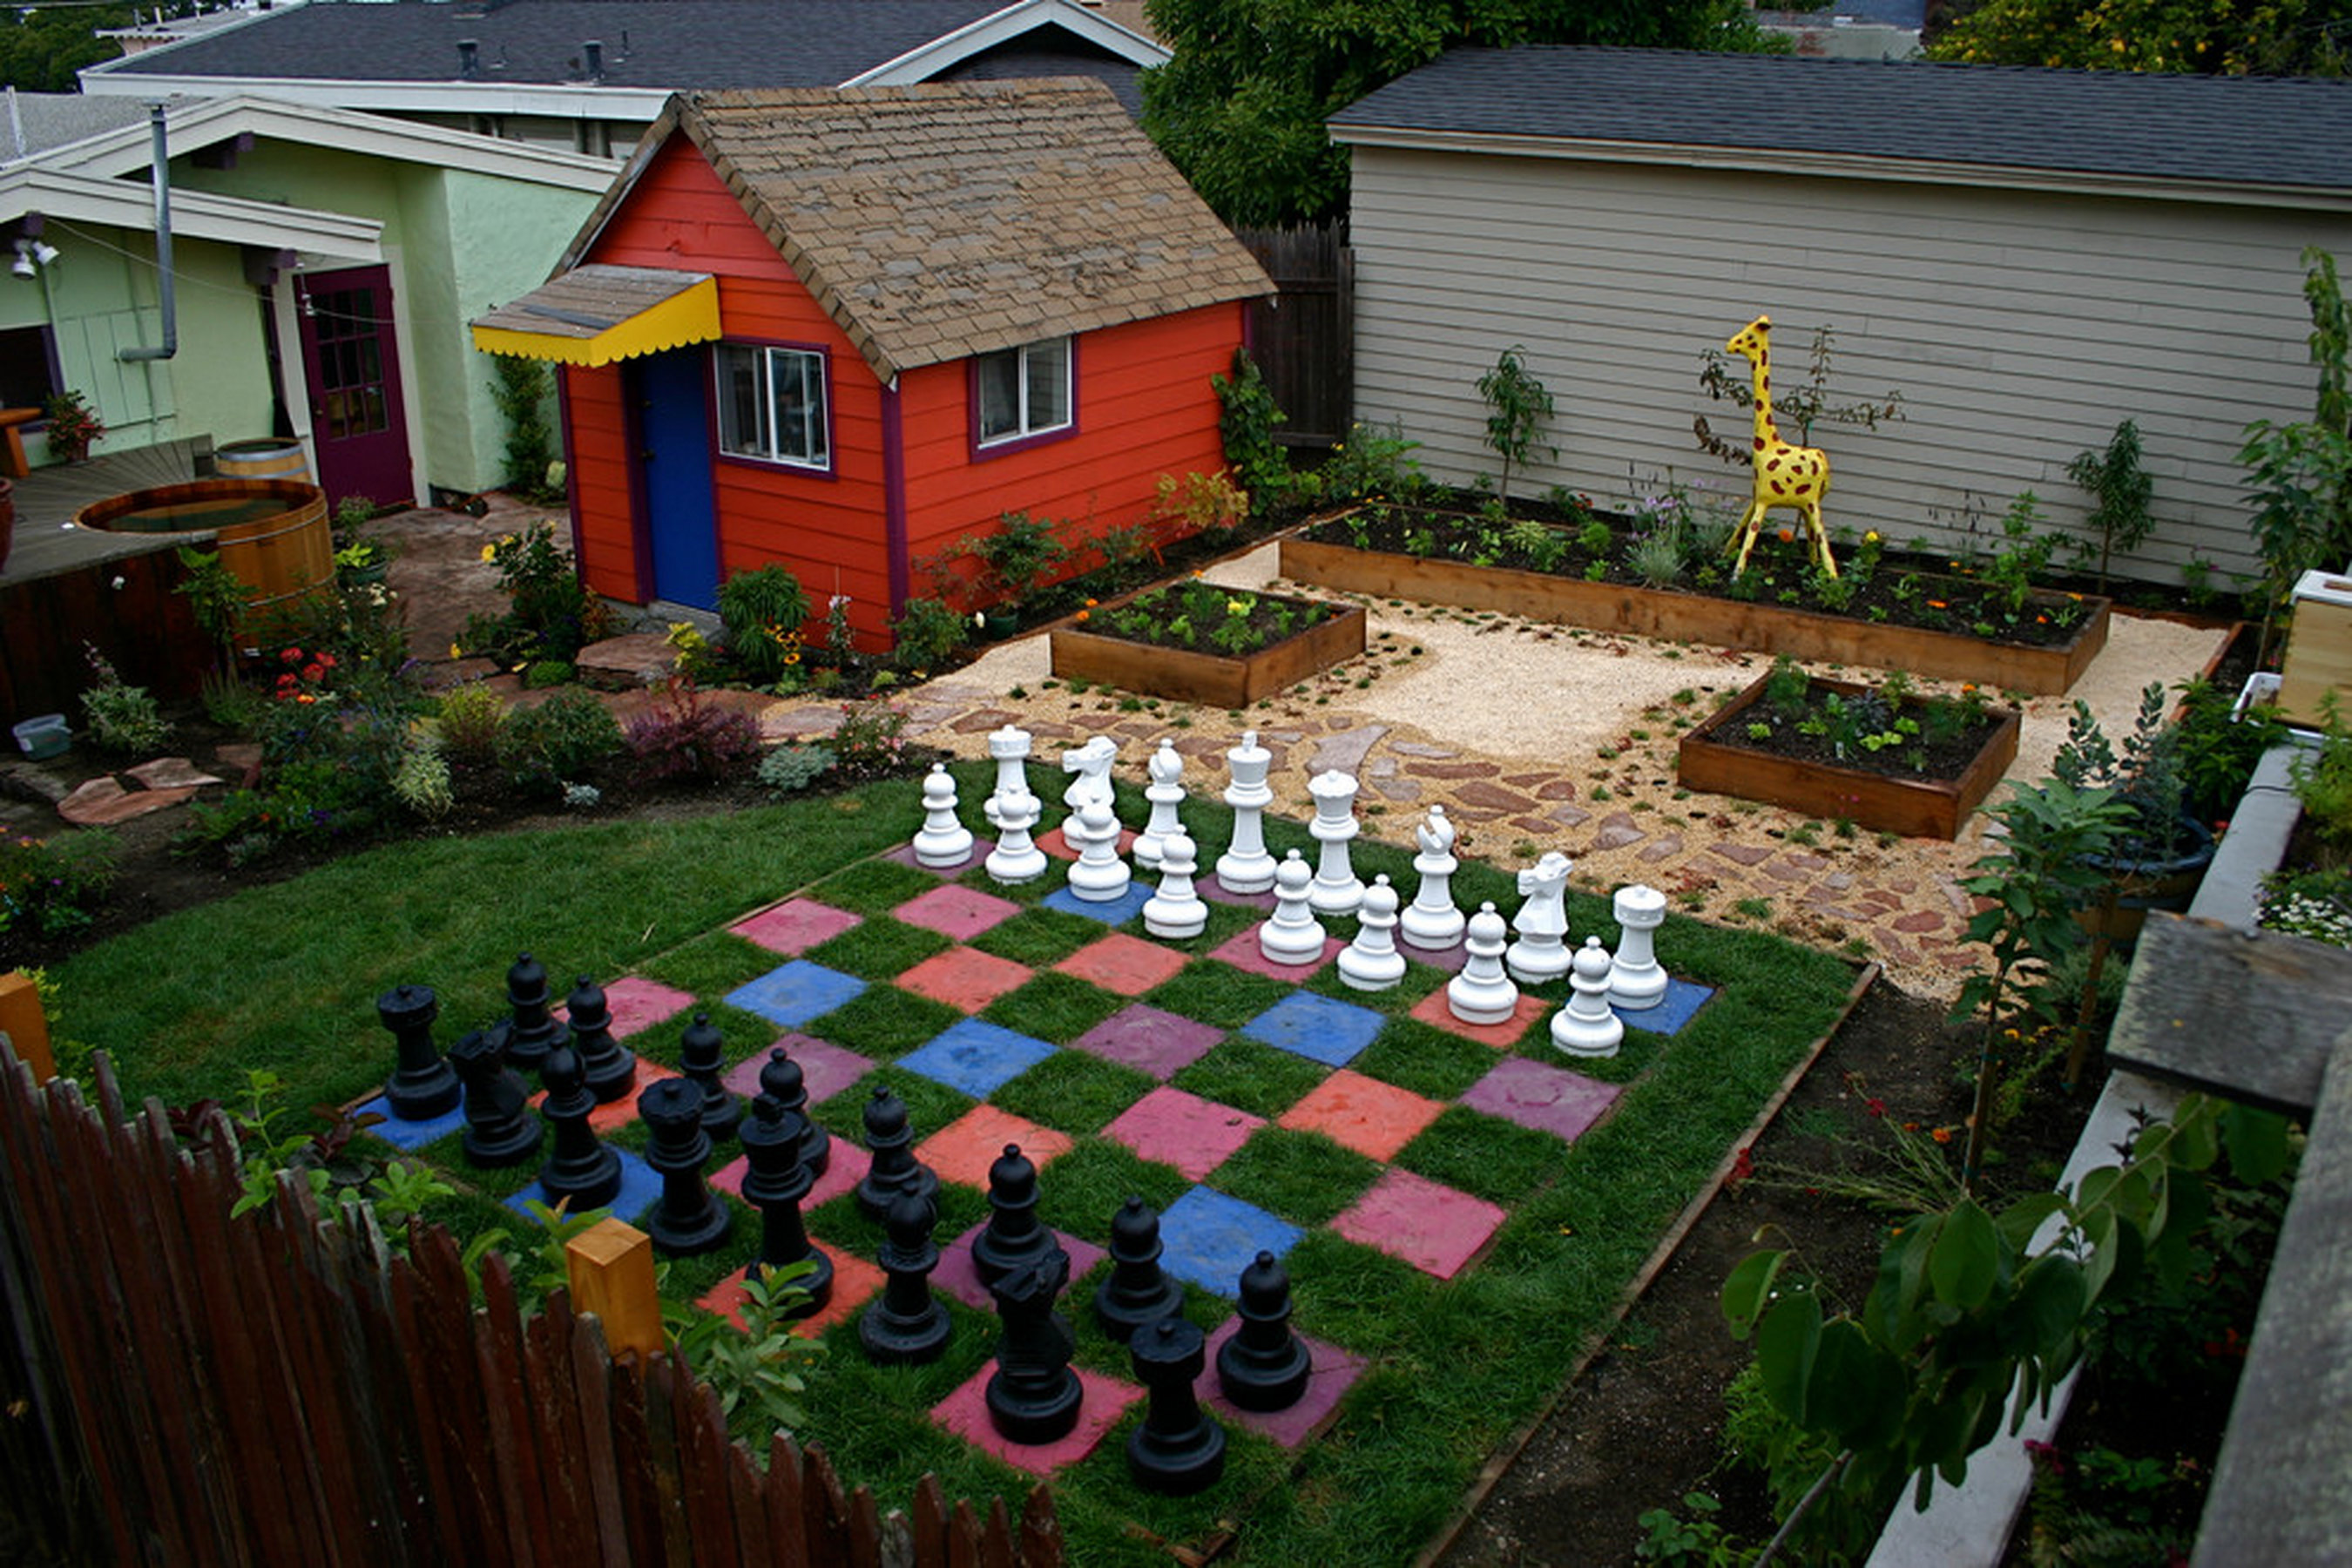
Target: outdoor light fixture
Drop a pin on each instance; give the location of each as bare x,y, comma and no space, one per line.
43,252
23,265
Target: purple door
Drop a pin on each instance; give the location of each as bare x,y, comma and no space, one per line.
353,369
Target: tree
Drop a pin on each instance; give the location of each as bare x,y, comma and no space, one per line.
1240,109
41,49
2225,37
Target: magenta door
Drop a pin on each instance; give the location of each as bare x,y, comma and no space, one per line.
350,358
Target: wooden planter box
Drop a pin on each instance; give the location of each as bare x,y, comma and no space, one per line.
1210,679
1917,808
1701,617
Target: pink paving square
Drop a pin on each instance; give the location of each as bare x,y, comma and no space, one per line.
1054,843
825,1069
1435,1228
636,1005
1102,1401
1183,1129
1243,952
622,1111
963,1150
1127,964
844,1169
854,1281
1330,1372
957,1276
965,978
1432,1009
956,911
794,926
1363,1113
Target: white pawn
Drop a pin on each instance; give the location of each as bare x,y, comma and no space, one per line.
1586,1027
1337,889
1481,993
943,841
1246,867
1091,763
1176,912
1012,811
1541,952
1100,877
1371,961
1636,980
1165,793
1292,935
1431,922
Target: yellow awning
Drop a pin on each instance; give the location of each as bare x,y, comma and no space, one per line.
596,314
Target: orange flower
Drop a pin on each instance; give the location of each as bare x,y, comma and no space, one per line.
1787,536
1082,613
1941,1135
1937,604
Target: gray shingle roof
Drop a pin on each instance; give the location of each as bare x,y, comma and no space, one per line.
2267,130
54,119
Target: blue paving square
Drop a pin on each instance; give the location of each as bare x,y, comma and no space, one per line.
1115,912
791,995
1683,999
411,1134
1209,1239
1317,1028
641,1187
977,1057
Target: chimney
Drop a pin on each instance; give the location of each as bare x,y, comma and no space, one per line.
595,50
469,57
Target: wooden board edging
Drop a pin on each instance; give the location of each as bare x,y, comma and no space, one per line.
1211,680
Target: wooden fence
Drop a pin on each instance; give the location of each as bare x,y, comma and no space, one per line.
1304,338
188,1389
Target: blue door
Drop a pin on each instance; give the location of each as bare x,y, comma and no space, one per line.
681,518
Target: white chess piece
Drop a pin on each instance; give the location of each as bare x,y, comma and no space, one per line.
1371,961
1337,888
1586,1027
1176,912
1246,867
1541,952
1292,935
1012,810
1165,793
943,841
1431,922
1636,980
1481,993
1100,877
1091,763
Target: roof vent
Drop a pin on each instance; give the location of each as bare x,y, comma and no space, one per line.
469,57
595,50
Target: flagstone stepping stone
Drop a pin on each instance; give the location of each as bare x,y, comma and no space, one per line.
626,663
172,772
103,802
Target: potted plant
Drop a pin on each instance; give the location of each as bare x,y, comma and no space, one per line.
73,424
2160,855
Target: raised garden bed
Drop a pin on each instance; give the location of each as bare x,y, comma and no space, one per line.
1087,647
1873,793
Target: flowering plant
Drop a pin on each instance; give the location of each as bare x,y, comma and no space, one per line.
74,424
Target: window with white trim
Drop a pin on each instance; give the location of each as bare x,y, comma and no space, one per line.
1024,390
772,406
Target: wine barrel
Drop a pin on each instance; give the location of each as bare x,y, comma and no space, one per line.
271,457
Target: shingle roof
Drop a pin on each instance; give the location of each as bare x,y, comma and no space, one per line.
49,120
950,219
2262,131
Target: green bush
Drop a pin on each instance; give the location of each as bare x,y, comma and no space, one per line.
545,747
472,716
123,717
794,767
543,673
927,634
53,885
763,610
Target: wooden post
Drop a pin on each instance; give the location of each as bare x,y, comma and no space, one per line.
612,1269
25,1026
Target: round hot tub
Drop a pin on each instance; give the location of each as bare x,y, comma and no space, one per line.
273,533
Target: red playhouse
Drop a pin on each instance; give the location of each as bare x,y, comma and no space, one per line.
842,330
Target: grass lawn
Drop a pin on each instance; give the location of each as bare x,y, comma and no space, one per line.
285,978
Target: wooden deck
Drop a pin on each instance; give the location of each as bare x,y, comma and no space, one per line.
46,544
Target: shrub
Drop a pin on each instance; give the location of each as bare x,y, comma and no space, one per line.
1247,417
544,748
869,743
123,717
927,634
763,610
684,737
472,718
421,783
53,885
551,614
794,767
543,673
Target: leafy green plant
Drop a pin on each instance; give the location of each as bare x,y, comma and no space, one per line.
1247,418
2299,474
794,767
520,388
1798,403
421,783
216,598
870,740
763,610
1697,1542
927,634
123,717
544,748
1518,403
1017,559
2120,490
551,612
2024,556
758,1369
73,424
53,886
469,721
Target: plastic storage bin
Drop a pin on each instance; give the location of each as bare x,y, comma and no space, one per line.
43,737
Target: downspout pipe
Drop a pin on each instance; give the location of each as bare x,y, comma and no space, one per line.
168,295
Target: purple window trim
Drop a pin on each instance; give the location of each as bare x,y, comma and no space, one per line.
1006,445
828,470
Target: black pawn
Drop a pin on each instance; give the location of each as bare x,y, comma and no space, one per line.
422,1085
1033,1397
780,1076
579,1167
777,1182
908,1323
533,1030
702,1053
1263,1366
610,1066
690,1217
499,1128
1179,1449
894,1169
1138,1290
1013,1238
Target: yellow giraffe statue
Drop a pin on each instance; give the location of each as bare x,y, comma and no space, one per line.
1786,475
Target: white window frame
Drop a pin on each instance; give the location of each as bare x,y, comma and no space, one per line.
1051,355
766,443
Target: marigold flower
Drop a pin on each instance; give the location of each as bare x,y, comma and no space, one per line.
1083,613
490,552
1871,536
1941,1135
1937,604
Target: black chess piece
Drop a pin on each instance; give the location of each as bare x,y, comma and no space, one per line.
1138,1290
780,1076
908,1323
532,1030
422,1085
895,1169
702,1054
690,1217
1180,1449
1033,1397
579,1167
611,1067
1263,1366
1013,1238
777,1181
499,1128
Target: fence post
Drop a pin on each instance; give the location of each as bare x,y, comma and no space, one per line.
611,1265
25,1026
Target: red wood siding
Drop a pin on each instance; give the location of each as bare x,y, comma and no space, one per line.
597,434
